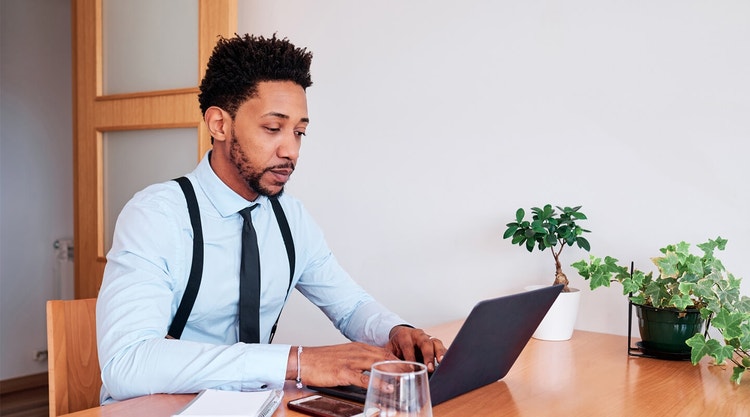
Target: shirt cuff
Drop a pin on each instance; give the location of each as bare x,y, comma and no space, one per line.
268,373
372,323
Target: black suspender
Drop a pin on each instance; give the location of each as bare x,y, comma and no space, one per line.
286,234
196,270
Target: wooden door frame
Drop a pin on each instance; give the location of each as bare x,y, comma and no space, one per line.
95,113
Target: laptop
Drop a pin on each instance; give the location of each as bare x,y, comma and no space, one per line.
484,349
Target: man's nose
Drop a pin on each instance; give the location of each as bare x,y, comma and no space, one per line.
289,147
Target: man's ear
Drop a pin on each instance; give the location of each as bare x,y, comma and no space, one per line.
218,122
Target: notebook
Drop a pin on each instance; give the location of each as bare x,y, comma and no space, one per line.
218,403
484,349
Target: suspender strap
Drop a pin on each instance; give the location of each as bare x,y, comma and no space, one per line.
286,234
196,270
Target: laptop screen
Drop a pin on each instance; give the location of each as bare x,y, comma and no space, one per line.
485,347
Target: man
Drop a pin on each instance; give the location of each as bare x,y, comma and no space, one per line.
254,105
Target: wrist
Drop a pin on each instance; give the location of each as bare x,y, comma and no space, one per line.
294,365
291,364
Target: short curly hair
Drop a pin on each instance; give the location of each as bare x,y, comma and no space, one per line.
239,63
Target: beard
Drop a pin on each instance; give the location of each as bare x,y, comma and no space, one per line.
249,173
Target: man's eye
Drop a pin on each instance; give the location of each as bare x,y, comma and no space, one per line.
273,129
300,134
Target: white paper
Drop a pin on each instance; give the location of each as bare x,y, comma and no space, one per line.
215,403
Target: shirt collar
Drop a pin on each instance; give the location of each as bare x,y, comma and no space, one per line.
224,199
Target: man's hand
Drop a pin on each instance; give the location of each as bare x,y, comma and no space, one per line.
329,366
415,345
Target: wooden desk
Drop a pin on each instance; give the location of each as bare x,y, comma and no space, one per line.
589,375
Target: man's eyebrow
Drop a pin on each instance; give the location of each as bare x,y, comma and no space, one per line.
284,116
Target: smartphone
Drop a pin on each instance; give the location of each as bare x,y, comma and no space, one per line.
323,406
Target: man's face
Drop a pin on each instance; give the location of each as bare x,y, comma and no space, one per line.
266,135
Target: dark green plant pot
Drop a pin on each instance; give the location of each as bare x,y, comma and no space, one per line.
666,330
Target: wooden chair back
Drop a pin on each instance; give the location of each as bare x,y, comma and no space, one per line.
74,375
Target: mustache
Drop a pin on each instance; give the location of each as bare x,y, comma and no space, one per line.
288,165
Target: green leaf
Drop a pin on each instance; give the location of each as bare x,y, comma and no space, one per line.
520,214
638,299
681,301
582,267
583,243
512,227
686,287
658,294
599,278
698,348
537,227
723,353
729,323
743,306
631,286
744,340
548,211
682,248
667,264
737,374
694,265
578,215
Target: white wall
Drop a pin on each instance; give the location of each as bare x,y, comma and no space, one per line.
432,121
36,171
427,116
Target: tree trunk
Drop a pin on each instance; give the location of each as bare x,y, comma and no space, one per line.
560,277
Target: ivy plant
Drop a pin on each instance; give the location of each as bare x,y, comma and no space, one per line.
688,281
549,228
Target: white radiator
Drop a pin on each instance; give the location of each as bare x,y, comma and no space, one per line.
64,273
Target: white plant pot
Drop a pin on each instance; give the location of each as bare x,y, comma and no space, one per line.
561,318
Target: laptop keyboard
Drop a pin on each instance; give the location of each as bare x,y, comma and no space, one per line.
349,392
353,389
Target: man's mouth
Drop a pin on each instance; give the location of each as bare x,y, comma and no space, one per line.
281,173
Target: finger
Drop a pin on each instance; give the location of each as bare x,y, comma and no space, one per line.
393,348
363,380
391,356
407,351
427,347
440,349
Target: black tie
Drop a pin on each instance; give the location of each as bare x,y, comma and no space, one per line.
249,281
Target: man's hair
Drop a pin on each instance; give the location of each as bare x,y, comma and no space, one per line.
238,64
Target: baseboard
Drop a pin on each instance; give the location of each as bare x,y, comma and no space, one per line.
23,383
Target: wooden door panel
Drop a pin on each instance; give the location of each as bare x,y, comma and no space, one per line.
95,113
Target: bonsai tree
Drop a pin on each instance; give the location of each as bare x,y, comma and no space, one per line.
688,281
551,229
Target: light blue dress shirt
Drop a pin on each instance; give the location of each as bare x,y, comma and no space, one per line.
147,271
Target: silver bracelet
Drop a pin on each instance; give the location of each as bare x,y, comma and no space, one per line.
299,368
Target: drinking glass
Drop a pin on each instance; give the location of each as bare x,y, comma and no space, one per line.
398,388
